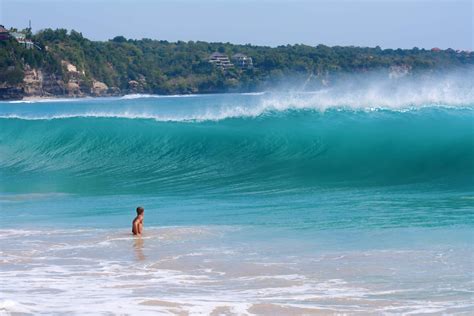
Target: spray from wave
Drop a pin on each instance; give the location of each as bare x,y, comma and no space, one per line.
368,93
359,93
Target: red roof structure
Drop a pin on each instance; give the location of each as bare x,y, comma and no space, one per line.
4,34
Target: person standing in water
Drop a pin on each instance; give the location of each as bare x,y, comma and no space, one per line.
137,224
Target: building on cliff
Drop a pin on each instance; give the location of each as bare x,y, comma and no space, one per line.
4,34
220,60
242,61
21,38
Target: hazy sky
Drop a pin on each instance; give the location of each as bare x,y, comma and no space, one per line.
388,23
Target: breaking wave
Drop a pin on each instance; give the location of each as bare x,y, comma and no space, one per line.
277,151
362,132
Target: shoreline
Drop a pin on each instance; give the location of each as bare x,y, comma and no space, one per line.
171,269
124,96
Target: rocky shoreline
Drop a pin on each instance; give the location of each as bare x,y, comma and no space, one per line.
11,93
40,84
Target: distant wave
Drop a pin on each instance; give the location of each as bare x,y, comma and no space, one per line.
49,100
265,109
144,96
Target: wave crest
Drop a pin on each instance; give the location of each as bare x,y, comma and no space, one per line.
300,149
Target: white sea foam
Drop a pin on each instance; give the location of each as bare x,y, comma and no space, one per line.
364,94
71,272
49,100
145,96
228,112
10,306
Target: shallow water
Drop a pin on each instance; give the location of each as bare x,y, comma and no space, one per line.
251,205
201,269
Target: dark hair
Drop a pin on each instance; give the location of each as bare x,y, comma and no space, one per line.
140,210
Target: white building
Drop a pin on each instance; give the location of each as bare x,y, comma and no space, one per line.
242,61
220,60
21,38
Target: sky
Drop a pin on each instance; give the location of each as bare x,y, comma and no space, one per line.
386,23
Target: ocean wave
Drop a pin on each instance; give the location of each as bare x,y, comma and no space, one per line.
279,151
268,108
145,96
49,100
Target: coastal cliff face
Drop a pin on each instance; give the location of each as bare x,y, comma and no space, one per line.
40,83
37,83
75,84
11,93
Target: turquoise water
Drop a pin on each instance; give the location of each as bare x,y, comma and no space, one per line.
373,201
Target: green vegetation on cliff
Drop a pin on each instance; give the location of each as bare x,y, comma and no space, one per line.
152,66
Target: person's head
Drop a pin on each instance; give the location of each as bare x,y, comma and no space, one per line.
140,210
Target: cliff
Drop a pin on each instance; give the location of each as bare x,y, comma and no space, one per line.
40,83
